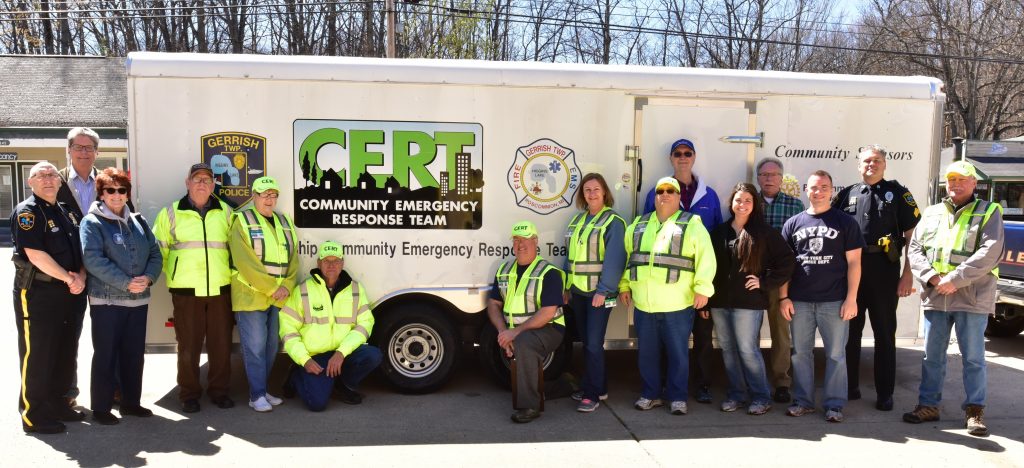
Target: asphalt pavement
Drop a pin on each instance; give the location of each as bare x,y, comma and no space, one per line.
467,424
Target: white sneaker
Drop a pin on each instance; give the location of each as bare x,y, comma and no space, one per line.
261,405
273,400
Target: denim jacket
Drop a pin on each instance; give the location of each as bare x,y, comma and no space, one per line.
115,250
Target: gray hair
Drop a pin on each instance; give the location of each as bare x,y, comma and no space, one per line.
39,166
78,131
769,159
874,148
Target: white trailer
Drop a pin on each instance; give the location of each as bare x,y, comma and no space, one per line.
420,167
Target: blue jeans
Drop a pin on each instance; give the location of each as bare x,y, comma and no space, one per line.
739,336
257,332
970,336
825,318
591,323
315,390
668,331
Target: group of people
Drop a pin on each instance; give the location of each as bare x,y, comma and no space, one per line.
821,270
78,241
685,269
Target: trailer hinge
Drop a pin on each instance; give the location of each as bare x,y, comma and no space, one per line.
745,139
632,152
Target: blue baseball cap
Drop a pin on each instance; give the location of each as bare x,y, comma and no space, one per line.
682,142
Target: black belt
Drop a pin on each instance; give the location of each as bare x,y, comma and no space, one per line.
873,249
40,276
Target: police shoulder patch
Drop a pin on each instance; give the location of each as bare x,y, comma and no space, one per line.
26,219
909,198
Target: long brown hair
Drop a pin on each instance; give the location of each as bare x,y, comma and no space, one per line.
748,248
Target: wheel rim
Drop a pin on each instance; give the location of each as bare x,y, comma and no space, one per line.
415,350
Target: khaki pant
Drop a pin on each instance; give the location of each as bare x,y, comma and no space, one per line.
779,357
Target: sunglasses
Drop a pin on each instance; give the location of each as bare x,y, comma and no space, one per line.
680,154
112,190
670,191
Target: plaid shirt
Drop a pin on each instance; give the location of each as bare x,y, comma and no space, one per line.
781,209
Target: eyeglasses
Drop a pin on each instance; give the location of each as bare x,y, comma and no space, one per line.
112,190
86,148
670,191
46,175
680,154
203,181
268,195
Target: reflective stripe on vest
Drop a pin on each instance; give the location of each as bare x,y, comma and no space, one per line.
282,228
172,225
946,247
587,262
528,293
307,312
673,261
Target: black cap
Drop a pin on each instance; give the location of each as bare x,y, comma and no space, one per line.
200,167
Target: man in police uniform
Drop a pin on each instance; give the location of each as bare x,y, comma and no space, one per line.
887,214
325,326
48,301
955,255
193,237
525,308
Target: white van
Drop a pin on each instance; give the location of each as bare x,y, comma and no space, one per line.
420,167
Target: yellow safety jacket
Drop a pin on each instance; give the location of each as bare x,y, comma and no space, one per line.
586,260
264,259
668,262
195,248
948,241
311,323
524,301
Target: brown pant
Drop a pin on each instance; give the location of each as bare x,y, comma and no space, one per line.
199,319
779,357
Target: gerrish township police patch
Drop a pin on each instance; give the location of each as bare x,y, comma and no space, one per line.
26,220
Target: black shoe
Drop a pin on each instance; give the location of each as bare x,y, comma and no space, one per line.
782,395
105,418
223,402
69,415
288,391
137,411
344,395
71,401
524,416
704,394
853,394
884,403
190,406
48,427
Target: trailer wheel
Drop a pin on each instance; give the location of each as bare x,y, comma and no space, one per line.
1007,321
419,348
493,358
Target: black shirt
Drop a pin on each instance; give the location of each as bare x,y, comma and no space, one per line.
551,287
52,228
885,208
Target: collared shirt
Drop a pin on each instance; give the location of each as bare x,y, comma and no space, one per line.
85,188
781,208
687,192
883,209
49,227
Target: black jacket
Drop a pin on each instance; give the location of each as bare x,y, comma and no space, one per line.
777,265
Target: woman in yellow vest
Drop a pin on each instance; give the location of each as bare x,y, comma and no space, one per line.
262,247
596,257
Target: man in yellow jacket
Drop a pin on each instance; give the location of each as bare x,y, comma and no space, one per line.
263,252
669,272
324,327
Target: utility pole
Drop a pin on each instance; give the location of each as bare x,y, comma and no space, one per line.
389,5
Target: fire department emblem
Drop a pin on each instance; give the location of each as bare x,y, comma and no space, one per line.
237,159
815,245
544,176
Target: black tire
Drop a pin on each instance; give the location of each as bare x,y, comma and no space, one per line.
493,358
420,348
1007,322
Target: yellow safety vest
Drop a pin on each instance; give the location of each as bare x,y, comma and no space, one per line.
276,254
663,258
524,301
586,261
311,323
195,248
948,240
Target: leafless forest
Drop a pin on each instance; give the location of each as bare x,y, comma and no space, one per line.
975,47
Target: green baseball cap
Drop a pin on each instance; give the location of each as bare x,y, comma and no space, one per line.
330,249
524,229
263,184
963,168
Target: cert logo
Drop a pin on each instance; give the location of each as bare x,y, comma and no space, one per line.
237,159
544,176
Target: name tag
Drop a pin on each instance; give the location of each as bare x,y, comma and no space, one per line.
256,233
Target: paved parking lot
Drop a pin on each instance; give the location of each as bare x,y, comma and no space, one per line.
466,424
